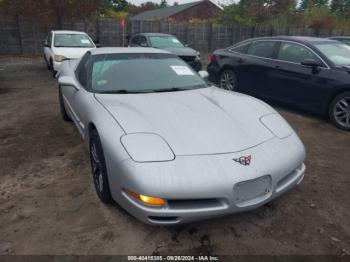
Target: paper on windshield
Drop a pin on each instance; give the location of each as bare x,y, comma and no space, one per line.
182,70
175,40
85,41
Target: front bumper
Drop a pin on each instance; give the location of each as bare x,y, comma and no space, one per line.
207,186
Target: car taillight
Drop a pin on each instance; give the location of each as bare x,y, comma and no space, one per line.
212,57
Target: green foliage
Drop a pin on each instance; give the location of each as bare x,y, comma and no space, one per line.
163,3
316,14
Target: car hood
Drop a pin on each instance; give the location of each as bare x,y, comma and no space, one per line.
184,51
202,121
73,53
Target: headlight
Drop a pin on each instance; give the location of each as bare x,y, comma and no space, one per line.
277,125
147,147
59,58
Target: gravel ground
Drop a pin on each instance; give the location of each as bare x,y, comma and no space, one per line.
48,204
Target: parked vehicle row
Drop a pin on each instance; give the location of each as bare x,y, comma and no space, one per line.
309,73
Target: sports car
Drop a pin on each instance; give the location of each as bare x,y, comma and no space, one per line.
170,148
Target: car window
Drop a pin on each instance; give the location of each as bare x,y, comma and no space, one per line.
345,41
337,53
262,49
82,69
72,40
240,48
143,41
155,72
135,40
295,53
165,42
49,39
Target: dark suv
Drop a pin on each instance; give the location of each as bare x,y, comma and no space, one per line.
169,43
310,73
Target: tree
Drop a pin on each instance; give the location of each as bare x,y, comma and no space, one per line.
340,6
312,3
318,17
163,3
50,11
175,3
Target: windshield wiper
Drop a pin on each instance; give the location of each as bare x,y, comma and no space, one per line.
171,89
121,91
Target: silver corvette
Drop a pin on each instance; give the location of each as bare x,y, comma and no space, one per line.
169,148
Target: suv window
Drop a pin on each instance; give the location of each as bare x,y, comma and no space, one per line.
49,39
83,69
262,49
240,48
295,53
135,40
143,41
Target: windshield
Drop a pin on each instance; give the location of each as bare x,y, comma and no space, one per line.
134,73
337,53
72,40
165,42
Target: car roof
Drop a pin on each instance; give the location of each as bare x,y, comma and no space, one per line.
154,34
127,50
300,39
68,32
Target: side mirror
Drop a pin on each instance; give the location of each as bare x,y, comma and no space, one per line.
311,63
185,45
144,45
68,81
46,44
98,45
203,74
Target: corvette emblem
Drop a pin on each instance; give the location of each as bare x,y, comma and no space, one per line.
243,160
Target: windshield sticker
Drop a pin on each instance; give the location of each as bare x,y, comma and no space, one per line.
101,82
85,41
182,70
175,40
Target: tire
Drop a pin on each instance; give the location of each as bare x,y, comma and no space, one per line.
228,80
98,169
339,111
63,111
50,65
47,64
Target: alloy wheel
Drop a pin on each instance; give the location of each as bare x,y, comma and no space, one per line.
341,112
227,81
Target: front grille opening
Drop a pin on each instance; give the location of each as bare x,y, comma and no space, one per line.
195,203
163,219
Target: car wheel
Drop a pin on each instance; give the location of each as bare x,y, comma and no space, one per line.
50,64
339,111
99,170
64,114
47,64
228,80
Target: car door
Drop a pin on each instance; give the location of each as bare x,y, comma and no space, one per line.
73,98
255,66
48,47
294,83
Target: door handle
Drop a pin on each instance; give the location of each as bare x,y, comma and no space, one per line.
277,67
240,61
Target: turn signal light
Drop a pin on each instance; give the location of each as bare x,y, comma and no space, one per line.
156,201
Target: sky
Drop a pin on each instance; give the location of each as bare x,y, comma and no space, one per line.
170,2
